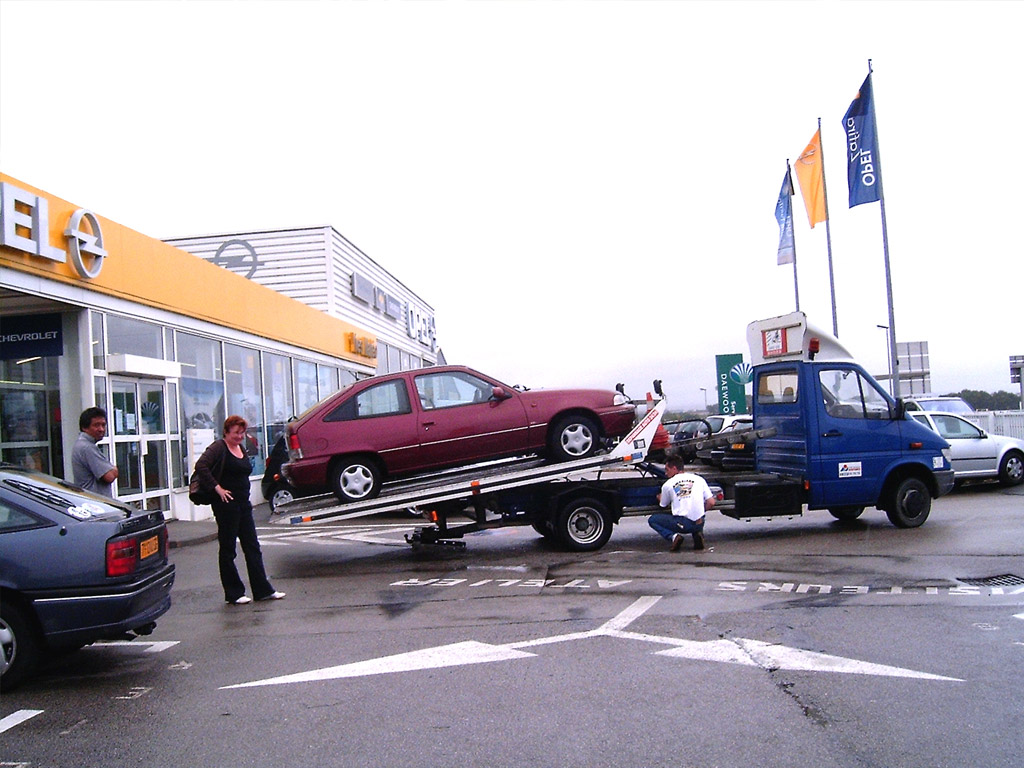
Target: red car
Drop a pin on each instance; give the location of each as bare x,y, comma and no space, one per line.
428,418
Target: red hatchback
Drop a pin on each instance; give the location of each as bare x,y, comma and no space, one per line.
445,416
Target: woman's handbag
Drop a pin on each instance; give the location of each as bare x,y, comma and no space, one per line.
196,494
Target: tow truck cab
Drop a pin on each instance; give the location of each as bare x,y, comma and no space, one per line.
838,434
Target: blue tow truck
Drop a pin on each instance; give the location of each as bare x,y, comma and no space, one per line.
827,437
840,441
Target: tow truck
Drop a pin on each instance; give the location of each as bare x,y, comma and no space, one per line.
826,434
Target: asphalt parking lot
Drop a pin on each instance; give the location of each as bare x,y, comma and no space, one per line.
796,642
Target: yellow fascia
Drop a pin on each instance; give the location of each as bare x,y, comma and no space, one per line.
150,272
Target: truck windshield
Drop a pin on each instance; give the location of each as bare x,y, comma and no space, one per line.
848,395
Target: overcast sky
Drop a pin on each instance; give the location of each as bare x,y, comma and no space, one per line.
583,191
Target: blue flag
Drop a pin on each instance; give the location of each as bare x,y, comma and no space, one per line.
784,215
863,172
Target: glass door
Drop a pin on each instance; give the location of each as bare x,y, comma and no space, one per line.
139,429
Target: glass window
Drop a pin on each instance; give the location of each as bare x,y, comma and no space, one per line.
953,428
201,393
99,349
848,395
30,432
128,336
778,387
277,394
245,395
14,519
305,385
386,399
199,357
327,380
451,389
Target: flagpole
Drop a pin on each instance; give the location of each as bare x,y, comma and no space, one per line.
796,284
828,235
885,251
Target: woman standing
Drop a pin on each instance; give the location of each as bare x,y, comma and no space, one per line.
225,467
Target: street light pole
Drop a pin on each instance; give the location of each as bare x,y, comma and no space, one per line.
705,391
888,356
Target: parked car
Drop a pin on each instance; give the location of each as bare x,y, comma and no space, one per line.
944,403
74,568
722,423
428,418
974,452
275,486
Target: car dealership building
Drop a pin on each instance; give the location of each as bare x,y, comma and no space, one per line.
171,337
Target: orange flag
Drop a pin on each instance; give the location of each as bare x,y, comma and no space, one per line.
810,172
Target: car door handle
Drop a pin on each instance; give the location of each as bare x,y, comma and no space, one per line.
428,423
833,433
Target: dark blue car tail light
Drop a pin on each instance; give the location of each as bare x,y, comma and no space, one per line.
122,556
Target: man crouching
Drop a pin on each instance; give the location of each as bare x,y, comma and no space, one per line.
690,497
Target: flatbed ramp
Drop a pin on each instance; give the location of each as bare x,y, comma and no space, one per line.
468,483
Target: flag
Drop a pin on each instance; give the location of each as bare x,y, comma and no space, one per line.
863,173
810,172
784,215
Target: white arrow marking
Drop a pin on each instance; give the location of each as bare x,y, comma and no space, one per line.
457,654
17,718
740,651
1018,616
155,646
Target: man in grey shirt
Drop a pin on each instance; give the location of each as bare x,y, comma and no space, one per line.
91,469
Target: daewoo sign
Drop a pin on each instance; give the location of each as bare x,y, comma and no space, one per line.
25,226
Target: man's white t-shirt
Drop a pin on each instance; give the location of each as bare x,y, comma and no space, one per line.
686,493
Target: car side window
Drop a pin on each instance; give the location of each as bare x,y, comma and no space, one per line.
955,429
388,398
848,395
451,389
14,519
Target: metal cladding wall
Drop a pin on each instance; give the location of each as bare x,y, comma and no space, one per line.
324,270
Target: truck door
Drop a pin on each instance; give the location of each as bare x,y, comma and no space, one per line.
857,438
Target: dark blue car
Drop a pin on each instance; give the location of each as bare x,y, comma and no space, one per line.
74,568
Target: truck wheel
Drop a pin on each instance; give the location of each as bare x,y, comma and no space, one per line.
355,479
910,504
573,437
1011,470
19,645
584,525
846,513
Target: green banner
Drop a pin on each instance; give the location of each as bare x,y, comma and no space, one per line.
733,377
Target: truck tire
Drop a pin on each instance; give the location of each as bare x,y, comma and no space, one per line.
573,437
584,524
909,504
846,514
19,645
1011,468
355,478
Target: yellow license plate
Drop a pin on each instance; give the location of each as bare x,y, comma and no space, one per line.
149,547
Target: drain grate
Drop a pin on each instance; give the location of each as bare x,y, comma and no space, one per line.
1006,580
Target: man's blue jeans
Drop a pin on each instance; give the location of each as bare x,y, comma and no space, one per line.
667,524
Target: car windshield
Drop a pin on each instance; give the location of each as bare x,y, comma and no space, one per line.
951,405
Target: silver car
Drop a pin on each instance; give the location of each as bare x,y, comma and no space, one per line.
975,453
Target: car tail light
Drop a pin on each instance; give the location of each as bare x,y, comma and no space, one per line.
294,450
122,556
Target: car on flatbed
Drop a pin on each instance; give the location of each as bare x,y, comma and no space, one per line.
431,418
75,568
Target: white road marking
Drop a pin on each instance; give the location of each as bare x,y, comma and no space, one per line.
154,646
17,718
739,651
